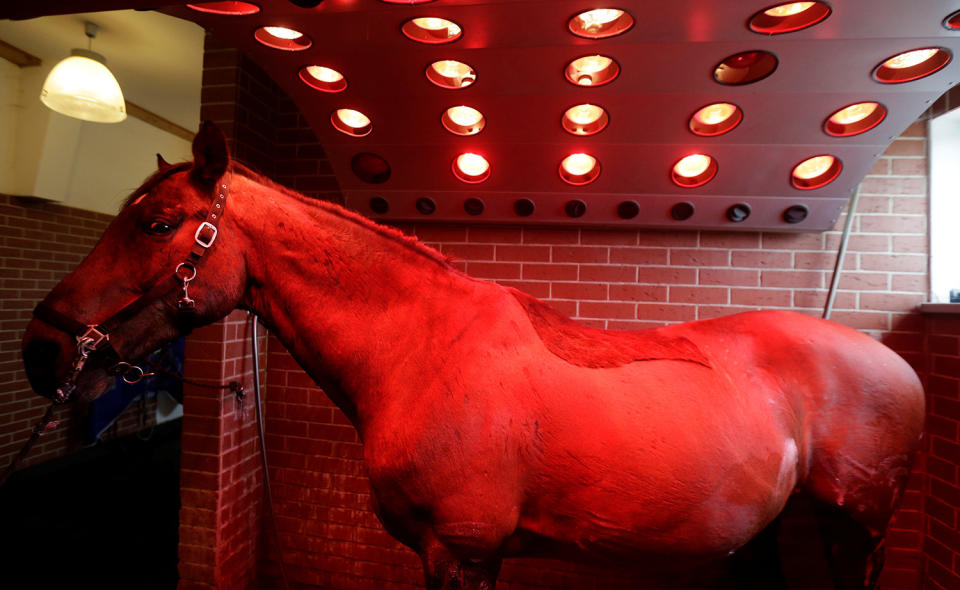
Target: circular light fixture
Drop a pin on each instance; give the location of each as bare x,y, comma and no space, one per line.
628,210
789,17
579,169
575,208
370,168
911,65
431,30
585,119
471,168
323,79
816,172
600,23
474,206
379,205
351,122
739,212
952,22
855,119
592,70
225,8
524,207
406,1
448,73
745,68
694,170
463,120
795,213
682,211
282,38
716,119
426,205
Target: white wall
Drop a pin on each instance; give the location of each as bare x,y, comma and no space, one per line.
944,205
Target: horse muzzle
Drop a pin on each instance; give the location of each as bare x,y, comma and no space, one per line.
50,361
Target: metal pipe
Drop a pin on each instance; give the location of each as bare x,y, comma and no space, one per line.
841,253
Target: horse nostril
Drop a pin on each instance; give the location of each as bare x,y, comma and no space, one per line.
40,358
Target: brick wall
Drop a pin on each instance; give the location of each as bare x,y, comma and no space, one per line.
942,528
40,243
615,279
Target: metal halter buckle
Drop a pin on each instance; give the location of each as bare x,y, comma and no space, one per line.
91,339
205,243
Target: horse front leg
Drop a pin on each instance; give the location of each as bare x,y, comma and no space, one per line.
445,571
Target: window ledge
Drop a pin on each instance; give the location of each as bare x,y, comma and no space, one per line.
939,308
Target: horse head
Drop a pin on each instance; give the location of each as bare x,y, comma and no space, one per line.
163,266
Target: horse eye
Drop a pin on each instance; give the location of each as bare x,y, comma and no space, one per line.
158,228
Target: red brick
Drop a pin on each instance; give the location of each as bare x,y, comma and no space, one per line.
893,262
890,301
468,252
906,147
791,278
642,256
550,272
908,166
594,254
494,270
760,297
588,309
730,240
608,273
578,290
761,259
608,237
523,253
494,235
637,293
699,257
666,312
738,278
901,224
550,236
699,295
893,185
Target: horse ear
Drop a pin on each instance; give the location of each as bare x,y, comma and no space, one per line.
161,163
210,154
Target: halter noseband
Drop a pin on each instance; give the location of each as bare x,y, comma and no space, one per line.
93,338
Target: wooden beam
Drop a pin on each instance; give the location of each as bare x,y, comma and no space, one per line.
151,118
18,56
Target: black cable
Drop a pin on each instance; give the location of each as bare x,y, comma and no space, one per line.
263,453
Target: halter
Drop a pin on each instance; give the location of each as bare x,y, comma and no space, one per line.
92,338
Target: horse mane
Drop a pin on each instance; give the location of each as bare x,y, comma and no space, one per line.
392,234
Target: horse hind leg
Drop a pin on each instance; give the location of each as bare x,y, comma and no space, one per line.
853,513
445,571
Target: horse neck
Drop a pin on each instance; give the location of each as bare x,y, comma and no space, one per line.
351,302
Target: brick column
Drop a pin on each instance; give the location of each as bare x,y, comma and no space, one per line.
220,474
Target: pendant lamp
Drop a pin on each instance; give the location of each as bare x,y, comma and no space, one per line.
82,87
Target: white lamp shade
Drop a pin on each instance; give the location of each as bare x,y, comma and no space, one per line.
81,86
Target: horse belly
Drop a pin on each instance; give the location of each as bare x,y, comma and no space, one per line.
695,469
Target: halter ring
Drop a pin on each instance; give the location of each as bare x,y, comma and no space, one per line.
190,268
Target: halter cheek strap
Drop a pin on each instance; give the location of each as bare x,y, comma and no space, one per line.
96,338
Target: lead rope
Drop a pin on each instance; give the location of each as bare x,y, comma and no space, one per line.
45,425
263,454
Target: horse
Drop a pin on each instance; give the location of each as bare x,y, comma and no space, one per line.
492,425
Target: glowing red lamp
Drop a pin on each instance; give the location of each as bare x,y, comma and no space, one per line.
585,119
912,65
816,172
282,38
579,169
600,23
716,119
463,120
351,122
451,74
471,168
855,119
225,8
592,70
431,30
323,78
694,170
789,17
